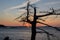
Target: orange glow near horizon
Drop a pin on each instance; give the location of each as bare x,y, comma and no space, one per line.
15,23
10,22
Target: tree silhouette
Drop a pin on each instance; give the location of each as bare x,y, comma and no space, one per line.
35,17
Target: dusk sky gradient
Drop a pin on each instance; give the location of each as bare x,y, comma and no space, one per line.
9,10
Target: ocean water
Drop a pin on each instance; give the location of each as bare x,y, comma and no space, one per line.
25,34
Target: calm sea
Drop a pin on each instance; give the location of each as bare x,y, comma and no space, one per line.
25,34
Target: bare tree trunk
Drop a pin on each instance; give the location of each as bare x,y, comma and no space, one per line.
33,35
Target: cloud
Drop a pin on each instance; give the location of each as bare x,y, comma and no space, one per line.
33,1
7,11
23,4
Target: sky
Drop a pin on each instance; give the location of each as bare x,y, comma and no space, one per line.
9,10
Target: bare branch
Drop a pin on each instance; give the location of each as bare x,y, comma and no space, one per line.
20,16
49,26
44,32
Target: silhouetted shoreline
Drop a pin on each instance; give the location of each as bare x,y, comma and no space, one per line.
14,27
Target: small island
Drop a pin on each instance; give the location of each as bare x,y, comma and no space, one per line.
1,26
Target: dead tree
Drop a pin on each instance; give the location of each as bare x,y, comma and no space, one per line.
33,23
